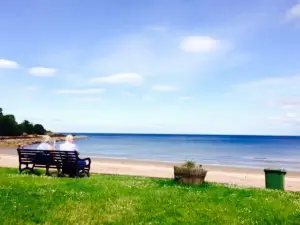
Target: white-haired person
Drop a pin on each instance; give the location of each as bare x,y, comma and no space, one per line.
70,146
45,144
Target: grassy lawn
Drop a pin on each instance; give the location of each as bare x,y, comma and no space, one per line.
32,199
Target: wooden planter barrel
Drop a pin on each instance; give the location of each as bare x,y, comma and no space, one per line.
194,176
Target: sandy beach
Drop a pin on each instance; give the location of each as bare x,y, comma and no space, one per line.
224,175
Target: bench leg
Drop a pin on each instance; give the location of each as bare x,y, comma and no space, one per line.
58,172
77,173
87,172
47,171
59,169
26,168
20,168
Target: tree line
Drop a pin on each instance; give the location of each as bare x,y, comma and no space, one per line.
10,127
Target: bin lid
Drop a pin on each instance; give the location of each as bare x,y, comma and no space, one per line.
275,170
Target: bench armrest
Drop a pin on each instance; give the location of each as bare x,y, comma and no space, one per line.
88,160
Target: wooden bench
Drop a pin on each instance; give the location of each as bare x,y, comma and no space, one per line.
66,162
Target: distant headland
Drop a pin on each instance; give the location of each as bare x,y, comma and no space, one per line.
14,134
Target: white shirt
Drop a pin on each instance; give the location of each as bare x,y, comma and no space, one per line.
67,146
44,146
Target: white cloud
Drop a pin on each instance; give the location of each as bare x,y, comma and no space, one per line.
158,55
121,78
80,91
287,86
280,95
88,99
185,98
8,64
290,103
289,117
202,44
270,91
293,13
42,71
164,88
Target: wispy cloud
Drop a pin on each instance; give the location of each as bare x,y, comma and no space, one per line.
42,71
290,103
80,91
8,64
199,44
289,117
164,88
269,90
121,78
166,55
274,95
293,13
282,81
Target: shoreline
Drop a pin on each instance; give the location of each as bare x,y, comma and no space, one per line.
139,162
233,176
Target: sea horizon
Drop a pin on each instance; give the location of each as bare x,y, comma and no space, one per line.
175,134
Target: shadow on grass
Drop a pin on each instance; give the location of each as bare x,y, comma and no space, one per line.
40,172
37,172
175,183
34,172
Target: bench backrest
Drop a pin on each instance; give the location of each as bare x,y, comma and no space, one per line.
46,156
27,155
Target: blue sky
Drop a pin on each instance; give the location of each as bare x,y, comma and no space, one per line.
157,66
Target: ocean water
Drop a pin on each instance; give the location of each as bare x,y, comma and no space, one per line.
221,150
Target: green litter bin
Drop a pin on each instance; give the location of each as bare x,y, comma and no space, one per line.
275,178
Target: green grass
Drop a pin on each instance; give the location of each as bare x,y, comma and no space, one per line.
32,199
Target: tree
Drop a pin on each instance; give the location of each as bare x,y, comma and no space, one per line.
26,127
39,129
8,126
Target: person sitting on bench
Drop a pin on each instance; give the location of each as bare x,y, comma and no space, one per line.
45,145
70,146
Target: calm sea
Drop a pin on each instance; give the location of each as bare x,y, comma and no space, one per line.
224,150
